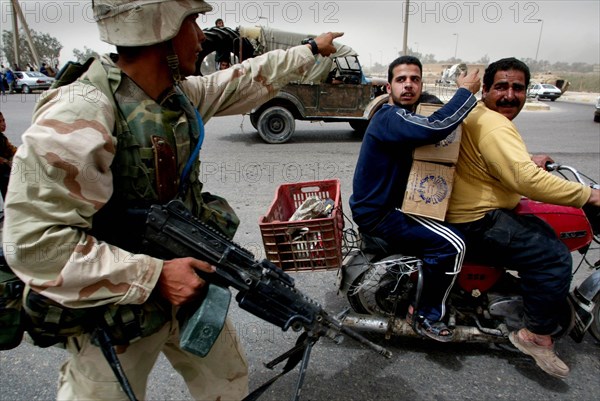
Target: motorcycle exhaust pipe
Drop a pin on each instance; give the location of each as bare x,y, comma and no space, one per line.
399,327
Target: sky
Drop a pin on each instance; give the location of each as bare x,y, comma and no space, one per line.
553,30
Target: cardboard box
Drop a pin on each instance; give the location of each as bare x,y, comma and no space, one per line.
428,190
427,109
445,151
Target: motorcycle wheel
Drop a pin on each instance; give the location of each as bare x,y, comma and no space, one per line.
371,292
595,327
354,299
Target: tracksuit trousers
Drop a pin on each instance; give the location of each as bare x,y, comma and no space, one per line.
440,247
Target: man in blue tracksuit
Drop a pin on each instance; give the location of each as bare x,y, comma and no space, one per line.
380,182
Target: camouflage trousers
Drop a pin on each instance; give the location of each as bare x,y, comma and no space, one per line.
221,375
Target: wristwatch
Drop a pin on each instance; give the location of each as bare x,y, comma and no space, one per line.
313,45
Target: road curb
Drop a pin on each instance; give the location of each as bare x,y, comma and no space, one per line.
536,106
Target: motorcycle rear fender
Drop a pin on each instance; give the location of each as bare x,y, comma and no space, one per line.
589,287
355,264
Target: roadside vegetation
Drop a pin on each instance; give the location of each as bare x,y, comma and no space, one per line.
582,81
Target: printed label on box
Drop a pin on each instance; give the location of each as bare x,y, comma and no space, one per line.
428,190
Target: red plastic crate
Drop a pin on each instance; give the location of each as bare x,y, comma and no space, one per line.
314,244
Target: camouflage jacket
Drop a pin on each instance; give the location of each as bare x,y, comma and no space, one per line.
62,177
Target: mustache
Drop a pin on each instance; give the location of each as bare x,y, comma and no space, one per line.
508,103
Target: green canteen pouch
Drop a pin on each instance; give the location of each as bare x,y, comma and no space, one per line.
216,212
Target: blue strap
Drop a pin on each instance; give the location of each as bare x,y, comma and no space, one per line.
183,182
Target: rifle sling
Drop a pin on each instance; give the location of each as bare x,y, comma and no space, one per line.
113,360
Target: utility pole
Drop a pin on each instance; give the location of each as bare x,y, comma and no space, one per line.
456,45
16,48
17,12
539,39
405,46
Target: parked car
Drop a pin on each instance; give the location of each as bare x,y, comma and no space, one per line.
28,81
597,111
544,91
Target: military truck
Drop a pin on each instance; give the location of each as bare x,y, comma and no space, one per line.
550,78
334,90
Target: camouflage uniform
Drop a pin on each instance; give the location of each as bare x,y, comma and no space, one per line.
62,178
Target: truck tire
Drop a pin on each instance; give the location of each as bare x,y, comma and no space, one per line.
276,125
254,120
359,126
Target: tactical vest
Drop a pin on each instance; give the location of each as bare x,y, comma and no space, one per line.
154,143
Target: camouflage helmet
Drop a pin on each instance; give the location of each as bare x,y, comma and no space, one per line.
143,22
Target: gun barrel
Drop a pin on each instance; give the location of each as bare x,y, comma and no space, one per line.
337,326
366,342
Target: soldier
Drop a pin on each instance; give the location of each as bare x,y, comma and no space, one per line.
102,149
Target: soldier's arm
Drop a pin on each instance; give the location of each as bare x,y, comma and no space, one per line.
62,177
244,86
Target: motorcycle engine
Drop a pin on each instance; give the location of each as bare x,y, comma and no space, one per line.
507,308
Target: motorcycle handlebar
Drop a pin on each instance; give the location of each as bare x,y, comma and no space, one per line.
558,167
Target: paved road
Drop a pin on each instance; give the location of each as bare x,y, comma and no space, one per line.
239,166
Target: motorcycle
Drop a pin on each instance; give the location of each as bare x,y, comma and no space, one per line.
484,304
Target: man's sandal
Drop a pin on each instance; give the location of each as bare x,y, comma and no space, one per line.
425,327
435,330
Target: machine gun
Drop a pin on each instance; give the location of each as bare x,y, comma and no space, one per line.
263,289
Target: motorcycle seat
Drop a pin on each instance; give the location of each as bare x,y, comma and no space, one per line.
374,245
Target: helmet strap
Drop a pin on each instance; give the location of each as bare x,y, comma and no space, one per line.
173,63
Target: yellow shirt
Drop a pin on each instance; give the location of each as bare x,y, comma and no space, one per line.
494,170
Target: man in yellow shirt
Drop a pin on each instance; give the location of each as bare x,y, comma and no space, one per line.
493,171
